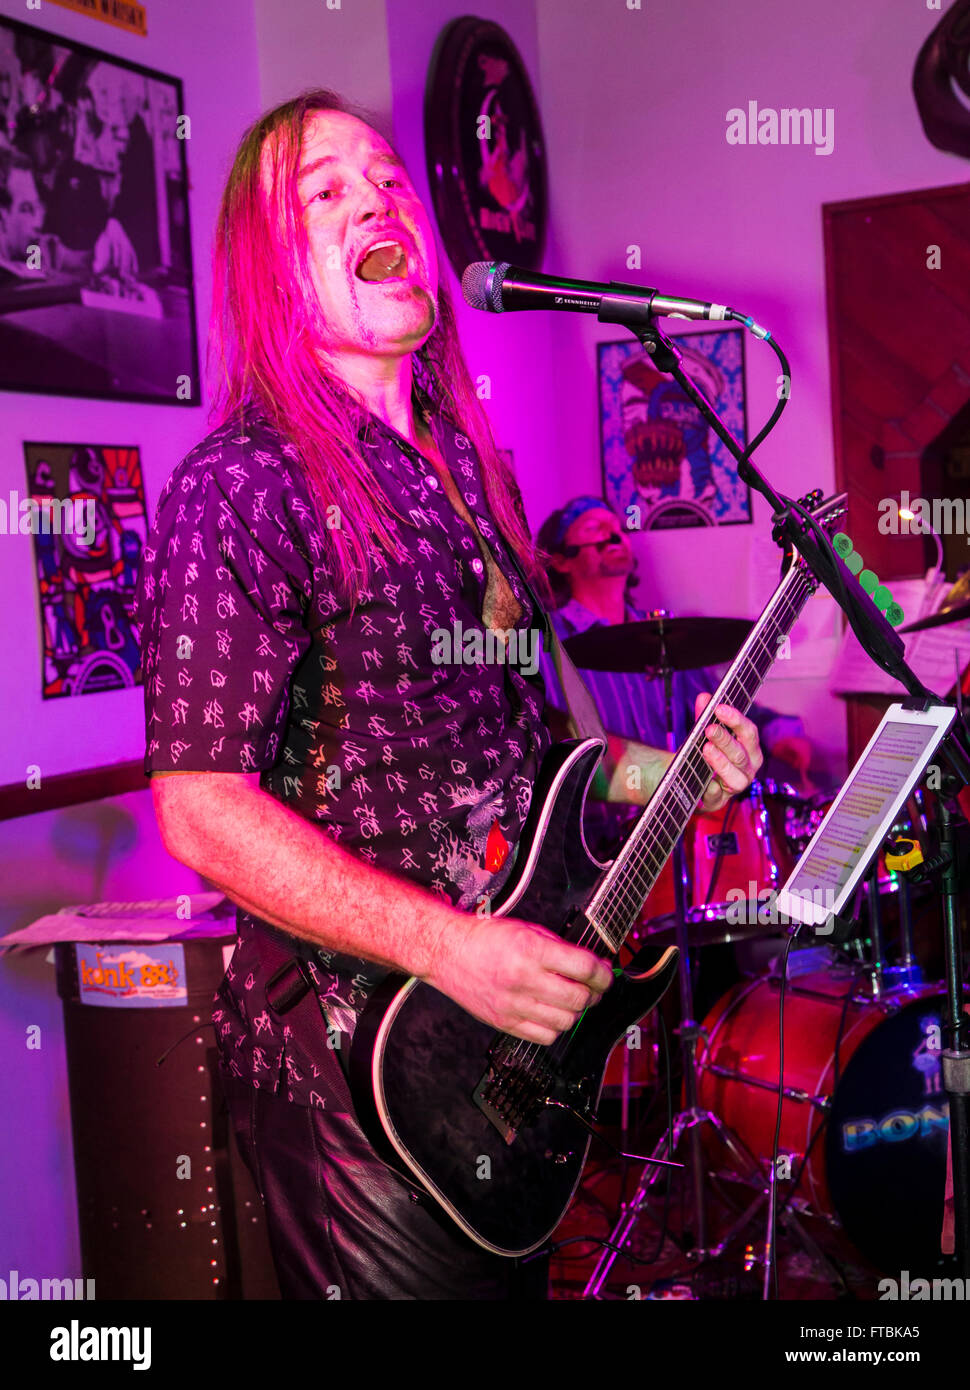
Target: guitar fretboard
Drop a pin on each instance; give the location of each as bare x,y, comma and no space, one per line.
620,897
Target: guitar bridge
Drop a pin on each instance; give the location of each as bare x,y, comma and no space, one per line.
481,1098
510,1092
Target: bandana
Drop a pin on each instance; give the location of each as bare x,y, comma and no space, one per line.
572,511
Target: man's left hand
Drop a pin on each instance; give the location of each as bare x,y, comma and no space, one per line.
731,750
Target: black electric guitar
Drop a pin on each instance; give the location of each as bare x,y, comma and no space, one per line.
487,1124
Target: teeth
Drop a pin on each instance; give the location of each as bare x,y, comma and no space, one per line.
377,246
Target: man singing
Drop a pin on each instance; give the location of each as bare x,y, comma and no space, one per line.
354,797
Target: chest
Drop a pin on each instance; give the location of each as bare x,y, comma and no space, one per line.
501,610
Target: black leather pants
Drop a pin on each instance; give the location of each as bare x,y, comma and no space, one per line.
341,1224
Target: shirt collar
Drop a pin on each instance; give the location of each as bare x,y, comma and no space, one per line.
580,618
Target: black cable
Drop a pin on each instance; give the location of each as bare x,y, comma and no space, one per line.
834,579
586,1240
823,1123
835,573
782,400
625,1251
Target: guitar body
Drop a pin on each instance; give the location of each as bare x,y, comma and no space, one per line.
417,1058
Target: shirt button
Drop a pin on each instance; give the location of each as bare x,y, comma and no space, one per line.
477,566
432,482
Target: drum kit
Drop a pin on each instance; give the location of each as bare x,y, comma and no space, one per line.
864,1119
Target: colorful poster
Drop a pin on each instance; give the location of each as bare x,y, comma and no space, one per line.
660,456
86,510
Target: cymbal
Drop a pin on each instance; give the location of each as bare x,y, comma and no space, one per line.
959,614
689,643
713,931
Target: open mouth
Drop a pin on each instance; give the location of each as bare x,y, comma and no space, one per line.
385,260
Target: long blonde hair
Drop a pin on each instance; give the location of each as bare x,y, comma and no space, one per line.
264,345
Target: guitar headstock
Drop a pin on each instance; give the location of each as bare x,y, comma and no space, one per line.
825,513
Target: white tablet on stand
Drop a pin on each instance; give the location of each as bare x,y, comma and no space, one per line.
841,851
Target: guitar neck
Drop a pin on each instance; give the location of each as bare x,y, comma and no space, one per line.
624,888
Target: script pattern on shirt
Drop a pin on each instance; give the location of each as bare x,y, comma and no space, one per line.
253,663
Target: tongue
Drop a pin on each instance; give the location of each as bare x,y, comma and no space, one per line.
382,264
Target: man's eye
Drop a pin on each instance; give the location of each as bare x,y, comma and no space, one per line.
395,182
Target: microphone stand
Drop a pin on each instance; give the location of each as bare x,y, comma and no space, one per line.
886,648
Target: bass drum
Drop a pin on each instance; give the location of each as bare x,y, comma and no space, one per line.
864,1100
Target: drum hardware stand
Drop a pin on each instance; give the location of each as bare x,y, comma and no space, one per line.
878,964
955,1057
788,1219
749,1171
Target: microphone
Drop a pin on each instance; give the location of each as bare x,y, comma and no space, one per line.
498,287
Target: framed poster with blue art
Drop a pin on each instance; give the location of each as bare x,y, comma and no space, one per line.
659,454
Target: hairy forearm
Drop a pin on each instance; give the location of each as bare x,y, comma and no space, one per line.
280,867
630,771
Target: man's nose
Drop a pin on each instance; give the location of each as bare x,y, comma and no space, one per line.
375,202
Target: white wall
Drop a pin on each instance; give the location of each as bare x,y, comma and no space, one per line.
304,43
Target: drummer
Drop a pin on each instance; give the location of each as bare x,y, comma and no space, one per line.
592,571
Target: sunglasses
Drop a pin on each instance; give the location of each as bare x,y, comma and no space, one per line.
570,551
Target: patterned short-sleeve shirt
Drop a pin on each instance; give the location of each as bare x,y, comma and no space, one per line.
252,662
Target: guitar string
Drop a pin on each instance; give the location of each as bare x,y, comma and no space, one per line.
783,609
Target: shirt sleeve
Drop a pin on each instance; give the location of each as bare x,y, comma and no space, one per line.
226,582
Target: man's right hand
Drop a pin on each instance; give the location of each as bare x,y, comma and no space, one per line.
519,978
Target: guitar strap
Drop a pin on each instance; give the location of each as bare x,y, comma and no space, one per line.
579,703
290,995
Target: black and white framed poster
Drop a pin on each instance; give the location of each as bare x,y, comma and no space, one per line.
96,292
